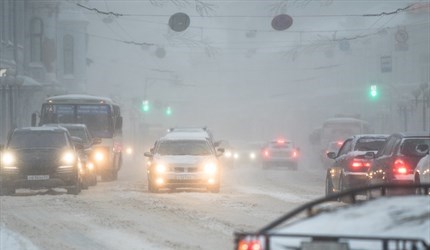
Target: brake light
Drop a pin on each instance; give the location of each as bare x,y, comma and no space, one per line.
400,167
249,245
358,164
280,141
266,153
295,154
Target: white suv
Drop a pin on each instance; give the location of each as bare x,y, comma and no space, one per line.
184,160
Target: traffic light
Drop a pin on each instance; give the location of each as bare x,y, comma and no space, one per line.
374,91
168,111
145,106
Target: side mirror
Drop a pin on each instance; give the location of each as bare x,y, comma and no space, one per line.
369,155
422,149
220,151
96,140
148,154
78,142
331,155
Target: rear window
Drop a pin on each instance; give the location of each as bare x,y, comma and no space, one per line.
369,144
409,146
38,139
281,145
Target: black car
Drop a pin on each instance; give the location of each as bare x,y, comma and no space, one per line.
397,160
350,166
43,157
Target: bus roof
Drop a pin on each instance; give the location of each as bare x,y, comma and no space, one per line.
81,99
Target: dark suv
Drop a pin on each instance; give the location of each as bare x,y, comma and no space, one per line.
396,161
43,157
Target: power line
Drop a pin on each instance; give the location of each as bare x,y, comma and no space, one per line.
247,16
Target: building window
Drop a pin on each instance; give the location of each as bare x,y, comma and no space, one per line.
68,46
36,32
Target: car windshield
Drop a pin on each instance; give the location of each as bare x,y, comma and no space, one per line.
369,144
183,147
38,139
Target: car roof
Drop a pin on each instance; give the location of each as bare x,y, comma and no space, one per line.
66,125
413,134
184,136
47,128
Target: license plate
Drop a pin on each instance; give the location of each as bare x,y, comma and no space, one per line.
37,177
186,177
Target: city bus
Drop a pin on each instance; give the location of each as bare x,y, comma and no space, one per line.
334,131
103,118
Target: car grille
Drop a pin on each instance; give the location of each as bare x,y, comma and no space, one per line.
185,169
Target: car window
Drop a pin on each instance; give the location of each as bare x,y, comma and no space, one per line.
38,139
183,147
79,132
408,146
346,147
387,150
369,144
281,145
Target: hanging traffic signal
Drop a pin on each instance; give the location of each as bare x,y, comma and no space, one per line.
145,106
168,111
373,91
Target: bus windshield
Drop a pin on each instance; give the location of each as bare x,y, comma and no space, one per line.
97,117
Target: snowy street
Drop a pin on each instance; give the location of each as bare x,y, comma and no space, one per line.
124,215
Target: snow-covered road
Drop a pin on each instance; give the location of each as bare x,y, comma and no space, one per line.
124,215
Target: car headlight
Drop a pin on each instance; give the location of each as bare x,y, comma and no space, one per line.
160,168
228,154
90,165
8,160
252,155
236,156
129,150
210,168
68,159
99,156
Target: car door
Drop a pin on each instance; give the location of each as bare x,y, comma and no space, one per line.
383,159
340,162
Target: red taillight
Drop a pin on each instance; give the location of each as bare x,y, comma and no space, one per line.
400,167
249,245
358,164
295,154
266,153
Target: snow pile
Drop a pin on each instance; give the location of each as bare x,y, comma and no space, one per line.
12,240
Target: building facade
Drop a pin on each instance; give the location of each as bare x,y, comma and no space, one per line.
43,50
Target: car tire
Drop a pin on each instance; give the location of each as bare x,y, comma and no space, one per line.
344,199
151,187
214,189
76,189
85,184
328,186
93,180
108,176
5,190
